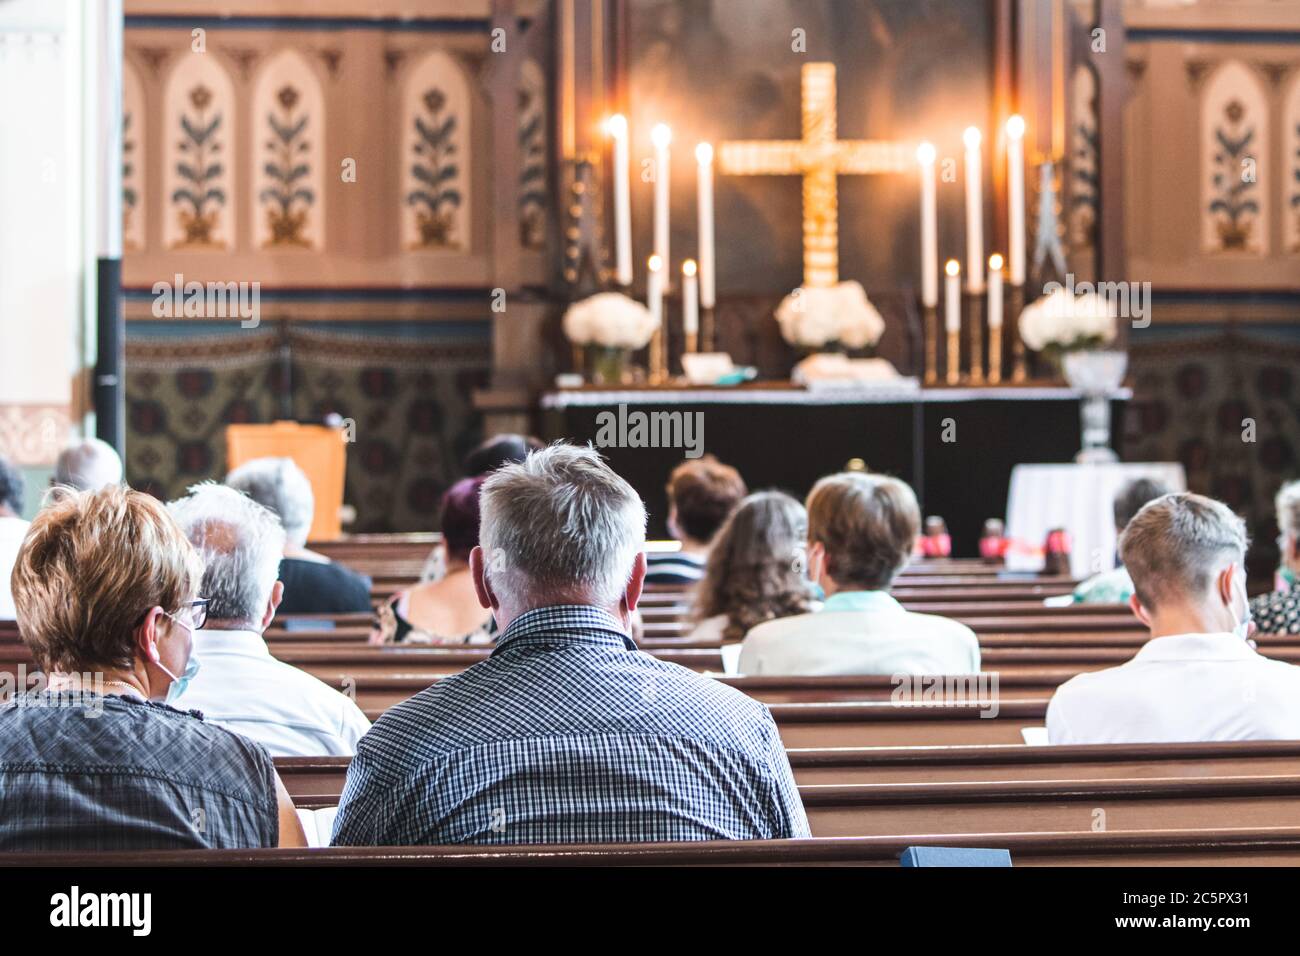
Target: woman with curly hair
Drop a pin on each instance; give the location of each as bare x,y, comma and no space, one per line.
755,569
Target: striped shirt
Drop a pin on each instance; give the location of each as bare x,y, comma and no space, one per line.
677,567
569,734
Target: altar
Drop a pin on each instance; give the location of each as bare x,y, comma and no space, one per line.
955,446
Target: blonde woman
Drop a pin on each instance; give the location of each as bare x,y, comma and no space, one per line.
755,569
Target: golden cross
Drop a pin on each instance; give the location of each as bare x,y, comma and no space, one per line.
819,157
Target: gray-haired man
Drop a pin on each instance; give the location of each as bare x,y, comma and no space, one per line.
1198,678
239,685
568,734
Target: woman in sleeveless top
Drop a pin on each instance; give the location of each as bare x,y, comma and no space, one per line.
93,757
445,611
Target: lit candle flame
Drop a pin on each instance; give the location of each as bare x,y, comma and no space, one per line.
953,267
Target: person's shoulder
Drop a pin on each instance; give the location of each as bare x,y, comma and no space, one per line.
934,624
782,627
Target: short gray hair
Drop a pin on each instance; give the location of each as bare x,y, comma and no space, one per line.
1287,504
1175,544
280,485
240,543
88,464
559,526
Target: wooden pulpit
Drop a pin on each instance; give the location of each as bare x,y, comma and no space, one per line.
318,450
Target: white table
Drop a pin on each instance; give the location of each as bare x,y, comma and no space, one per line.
1080,499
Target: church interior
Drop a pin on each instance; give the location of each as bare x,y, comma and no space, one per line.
1006,267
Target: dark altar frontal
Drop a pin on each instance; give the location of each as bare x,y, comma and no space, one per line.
955,446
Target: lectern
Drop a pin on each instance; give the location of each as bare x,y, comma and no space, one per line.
318,450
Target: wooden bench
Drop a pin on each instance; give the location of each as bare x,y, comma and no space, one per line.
318,781
1231,846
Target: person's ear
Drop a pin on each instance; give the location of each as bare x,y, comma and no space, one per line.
635,583
277,595
1223,584
816,561
1139,611
146,635
482,587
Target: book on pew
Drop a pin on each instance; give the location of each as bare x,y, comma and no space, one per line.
318,825
1034,736
953,856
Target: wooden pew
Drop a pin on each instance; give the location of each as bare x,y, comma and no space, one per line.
318,781
1229,846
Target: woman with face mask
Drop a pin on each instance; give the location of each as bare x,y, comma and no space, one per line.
1278,612
105,588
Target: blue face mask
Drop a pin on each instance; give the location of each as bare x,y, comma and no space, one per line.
179,684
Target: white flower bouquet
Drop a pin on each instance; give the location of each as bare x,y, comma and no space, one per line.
818,318
609,320
1063,322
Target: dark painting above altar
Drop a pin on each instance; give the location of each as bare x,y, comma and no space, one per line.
719,70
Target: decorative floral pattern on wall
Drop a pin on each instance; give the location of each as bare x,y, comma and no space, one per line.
1235,151
200,133
532,157
1291,163
287,166
435,176
1083,190
133,159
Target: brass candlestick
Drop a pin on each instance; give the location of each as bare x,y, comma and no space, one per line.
931,324
976,314
954,357
692,342
995,354
657,374
1016,305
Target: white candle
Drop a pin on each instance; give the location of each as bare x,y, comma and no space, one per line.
661,136
974,211
617,129
654,289
995,291
952,296
1016,198
690,298
704,159
925,155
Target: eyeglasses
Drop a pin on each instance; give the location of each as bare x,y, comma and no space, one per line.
198,613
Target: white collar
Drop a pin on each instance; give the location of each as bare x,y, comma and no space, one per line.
230,642
1223,646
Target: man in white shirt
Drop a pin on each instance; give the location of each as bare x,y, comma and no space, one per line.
1198,678
239,685
861,532
12,531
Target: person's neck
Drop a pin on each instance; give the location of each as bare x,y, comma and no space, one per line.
7,512
214,625
831,587
505,616
455,567
107,681
1188,620
693,547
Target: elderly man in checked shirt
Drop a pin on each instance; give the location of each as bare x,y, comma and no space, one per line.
567,733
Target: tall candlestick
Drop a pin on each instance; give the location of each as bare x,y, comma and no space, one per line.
661,136
704,160
995,319
617,129
925,155
690,304
952,318
655,303
974,211
1016,198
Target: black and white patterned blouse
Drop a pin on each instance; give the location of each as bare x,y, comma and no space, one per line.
1277,612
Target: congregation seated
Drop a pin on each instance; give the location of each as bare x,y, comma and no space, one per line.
239,685
862,530
754,571
87,464
567,733
312,583
12,531
98,758
1198,678
445,611
1278,612
1115,586
701,493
